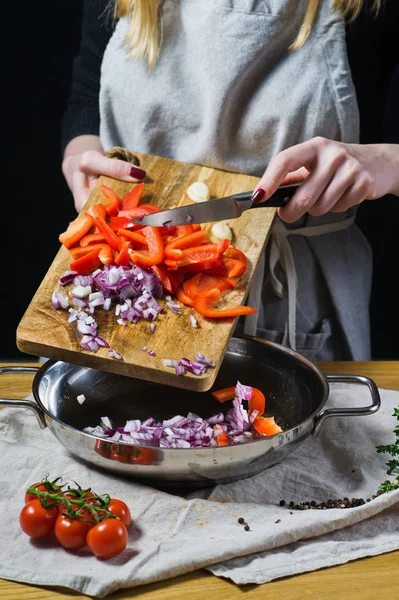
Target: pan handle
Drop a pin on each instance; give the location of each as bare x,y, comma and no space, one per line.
349,412
30,404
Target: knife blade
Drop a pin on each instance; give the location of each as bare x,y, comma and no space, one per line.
220,209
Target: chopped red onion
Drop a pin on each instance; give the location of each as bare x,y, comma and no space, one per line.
167,224
151,353
189,219
143,348
83,280
152,327
67,277
191,431
115,354
58,300
81,291
197,367
193,322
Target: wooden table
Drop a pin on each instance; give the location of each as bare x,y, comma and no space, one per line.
364,579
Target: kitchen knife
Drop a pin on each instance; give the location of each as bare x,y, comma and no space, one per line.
220,209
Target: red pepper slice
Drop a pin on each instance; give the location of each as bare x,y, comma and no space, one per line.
114,202
133,236
132,198
98,210
187,267
155,249
106,255
86,264
76,230
204,305
92,238
184,241
110,236
257,401
164,277
122,223
222,439
266,426
144,209
201,283
123,256
83,250
225,394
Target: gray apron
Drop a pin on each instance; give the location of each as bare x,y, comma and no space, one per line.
227,93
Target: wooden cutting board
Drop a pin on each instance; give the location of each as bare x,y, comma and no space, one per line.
44,331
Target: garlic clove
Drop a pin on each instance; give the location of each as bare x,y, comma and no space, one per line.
222,231
198,191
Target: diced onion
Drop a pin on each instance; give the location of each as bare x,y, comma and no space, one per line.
191,431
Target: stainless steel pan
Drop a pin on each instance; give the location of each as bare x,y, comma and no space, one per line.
295,389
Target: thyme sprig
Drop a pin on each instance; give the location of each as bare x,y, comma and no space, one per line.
392,463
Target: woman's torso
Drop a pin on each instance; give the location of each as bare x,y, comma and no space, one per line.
226,91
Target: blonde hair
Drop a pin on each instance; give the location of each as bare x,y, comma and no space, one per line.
142,39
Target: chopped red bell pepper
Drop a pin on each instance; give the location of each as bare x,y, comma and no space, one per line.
98,210
139,211
122,223
76,230
266,426
110,236
187,267
204,305
201,283
83,250
186,241
221,439
106,255
92,238
225,394
123,256
164,277
257,402
155,249
114,202
132,198
133,236
86,264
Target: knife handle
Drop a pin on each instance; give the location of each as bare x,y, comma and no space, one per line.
280,197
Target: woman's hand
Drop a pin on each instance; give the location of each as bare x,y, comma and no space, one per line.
84,162
334,176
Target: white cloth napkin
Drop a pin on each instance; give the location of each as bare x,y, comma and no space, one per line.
176,534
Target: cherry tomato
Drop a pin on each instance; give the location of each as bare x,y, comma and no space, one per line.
36,521
108,538
71,533
121,510
30,497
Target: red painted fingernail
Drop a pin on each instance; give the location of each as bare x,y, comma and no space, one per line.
259,195
137,173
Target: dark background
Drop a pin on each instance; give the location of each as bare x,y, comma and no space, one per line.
36,205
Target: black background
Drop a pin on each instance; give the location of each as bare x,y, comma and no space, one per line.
39,45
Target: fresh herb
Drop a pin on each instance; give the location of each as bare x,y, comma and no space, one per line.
393,463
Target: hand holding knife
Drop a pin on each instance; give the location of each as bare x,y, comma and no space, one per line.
221,209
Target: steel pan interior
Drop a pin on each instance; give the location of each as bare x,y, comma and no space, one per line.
295,390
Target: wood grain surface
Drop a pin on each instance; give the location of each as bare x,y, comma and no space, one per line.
364,579
44,331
